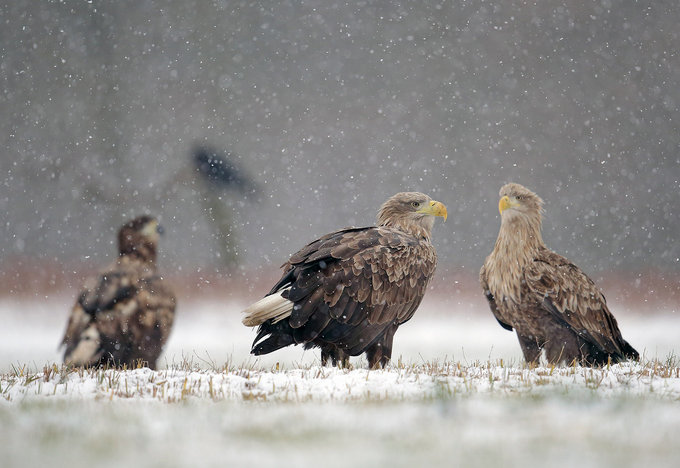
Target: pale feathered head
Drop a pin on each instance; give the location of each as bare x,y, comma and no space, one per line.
520,230
139,237
518,201
412,212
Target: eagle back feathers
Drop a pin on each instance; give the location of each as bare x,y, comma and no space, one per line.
381,270
128,308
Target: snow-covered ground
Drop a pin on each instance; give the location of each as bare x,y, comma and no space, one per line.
456,395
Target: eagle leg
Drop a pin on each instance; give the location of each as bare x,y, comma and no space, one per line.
377,356
380,352
530,348
337,356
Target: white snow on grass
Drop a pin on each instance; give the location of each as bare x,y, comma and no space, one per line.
657,380
403,416
456,394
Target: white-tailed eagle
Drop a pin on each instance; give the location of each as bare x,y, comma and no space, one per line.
551,304
124,315
349,291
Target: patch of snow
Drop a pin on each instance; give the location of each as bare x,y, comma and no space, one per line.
326,384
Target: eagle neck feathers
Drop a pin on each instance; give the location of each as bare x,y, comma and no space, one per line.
142,252
519,242
420,228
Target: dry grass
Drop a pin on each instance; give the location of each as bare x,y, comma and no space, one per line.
399,382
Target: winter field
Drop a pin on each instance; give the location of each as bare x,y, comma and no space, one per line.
457,394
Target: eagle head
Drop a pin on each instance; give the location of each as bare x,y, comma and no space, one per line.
412,212
519,200
139,237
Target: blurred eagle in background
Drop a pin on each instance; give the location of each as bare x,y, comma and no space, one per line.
220,170
124,315
552,305
349,291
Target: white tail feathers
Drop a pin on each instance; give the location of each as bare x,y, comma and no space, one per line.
270,307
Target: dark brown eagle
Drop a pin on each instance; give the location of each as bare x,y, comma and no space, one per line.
348,292
552,305
124,315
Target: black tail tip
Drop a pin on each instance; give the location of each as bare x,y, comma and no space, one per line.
271,344
630,352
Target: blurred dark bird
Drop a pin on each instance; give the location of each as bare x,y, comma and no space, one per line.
221,171
349,291
124,315
552,305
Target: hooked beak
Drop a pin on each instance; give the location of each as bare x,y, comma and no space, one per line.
434,208
503,204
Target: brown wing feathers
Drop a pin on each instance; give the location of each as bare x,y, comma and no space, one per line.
573,299
110,288
345,293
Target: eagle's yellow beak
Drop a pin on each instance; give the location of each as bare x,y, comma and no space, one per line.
434,208
503,204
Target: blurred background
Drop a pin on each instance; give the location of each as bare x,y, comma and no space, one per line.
251,128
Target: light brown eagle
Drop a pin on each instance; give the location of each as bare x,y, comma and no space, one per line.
348,292
552,305
124,315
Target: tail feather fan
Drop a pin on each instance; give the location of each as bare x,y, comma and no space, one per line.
273,307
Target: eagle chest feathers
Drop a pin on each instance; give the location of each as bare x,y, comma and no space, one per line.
505,275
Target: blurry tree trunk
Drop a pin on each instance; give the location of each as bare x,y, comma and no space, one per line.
220,218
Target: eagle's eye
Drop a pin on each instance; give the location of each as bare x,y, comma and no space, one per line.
415,204
519,197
